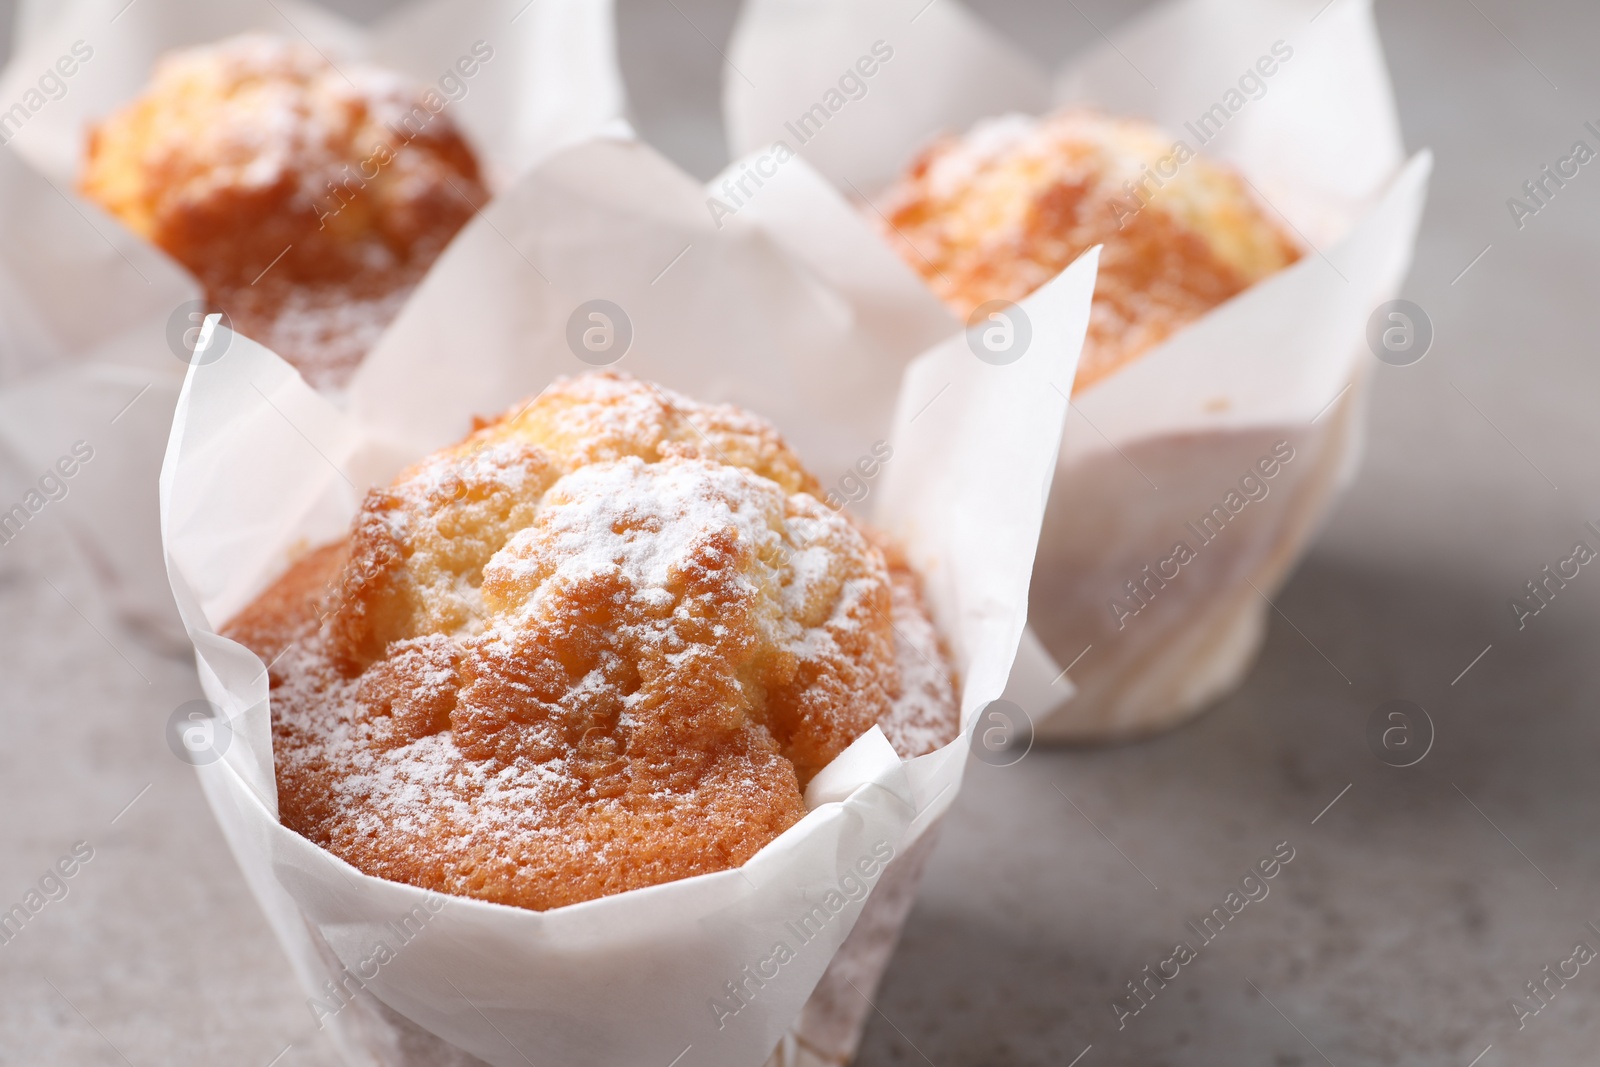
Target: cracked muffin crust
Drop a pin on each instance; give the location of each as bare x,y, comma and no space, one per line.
600,644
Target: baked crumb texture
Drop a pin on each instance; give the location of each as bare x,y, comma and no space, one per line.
308,200
600,644
995,214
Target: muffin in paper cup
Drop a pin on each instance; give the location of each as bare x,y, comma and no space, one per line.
97,324
260,467
1166,538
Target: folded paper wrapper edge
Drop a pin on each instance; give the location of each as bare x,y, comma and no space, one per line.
1008,426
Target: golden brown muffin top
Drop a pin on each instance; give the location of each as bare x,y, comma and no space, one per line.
997,213
600,644
307,198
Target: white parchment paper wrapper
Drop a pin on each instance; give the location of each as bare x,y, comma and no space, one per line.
86,306
1161,442
259,466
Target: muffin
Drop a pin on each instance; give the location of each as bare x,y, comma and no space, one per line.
997,213
602,643
307,199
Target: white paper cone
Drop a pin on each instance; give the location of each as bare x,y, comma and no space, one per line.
83,358
259,464
830,1026
1160,442
86,307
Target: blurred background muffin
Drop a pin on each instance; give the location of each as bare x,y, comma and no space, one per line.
307,198
996,213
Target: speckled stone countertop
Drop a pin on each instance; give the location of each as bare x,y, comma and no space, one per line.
1415,907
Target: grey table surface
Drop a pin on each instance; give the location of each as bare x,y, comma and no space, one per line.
1416,907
